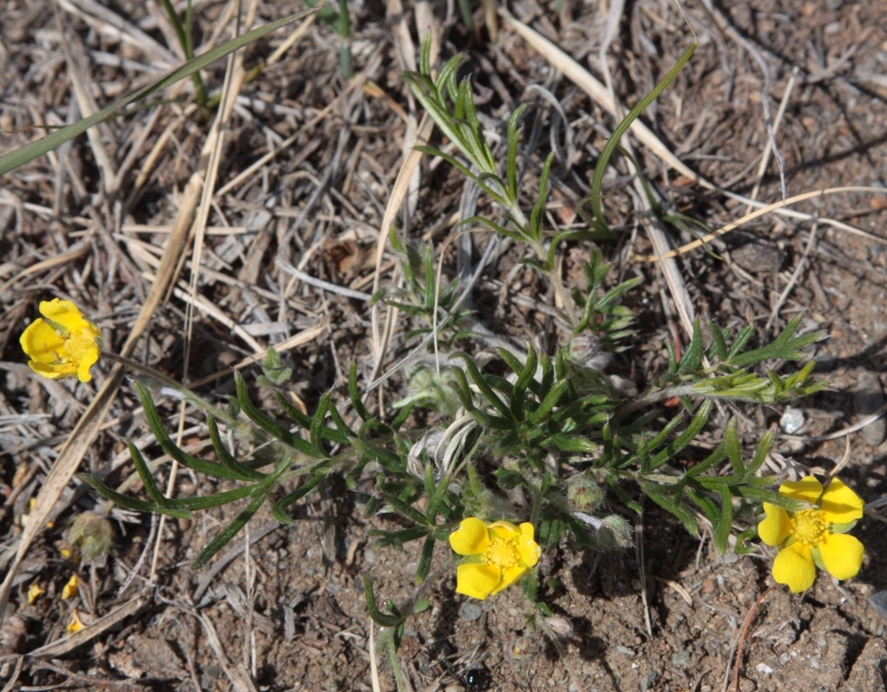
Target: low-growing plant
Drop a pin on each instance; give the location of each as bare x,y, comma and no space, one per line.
511,461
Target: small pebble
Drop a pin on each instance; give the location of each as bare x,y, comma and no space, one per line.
792,420
681,659
470,611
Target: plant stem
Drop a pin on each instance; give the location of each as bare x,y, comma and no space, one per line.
559,288
651,396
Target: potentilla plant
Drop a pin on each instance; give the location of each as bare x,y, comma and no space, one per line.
514,466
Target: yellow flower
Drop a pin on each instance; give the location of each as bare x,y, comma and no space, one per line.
496,555
64,344
71,588
76,623
814,537
35,591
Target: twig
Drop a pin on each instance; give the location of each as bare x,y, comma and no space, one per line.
741,643
320,283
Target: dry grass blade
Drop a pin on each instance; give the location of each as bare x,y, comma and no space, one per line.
398,193
87,106
115,27
776,206
75,252
597,91
87,634
31,151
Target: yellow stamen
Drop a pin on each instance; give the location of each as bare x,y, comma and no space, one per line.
503,553
808,527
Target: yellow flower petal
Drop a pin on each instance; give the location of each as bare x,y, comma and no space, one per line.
841,555
63,312
471,538
505,530
88,357
529,549
776,527
477,580
840,505
35,591
76,623
794,567
509,576
809,489
71,588
41,342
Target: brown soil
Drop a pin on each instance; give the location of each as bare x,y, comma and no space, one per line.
292,615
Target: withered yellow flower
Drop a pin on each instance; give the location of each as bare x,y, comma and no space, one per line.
71,588
76,623
63,343
35,591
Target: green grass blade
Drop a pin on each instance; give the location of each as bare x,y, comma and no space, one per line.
621,129
31,151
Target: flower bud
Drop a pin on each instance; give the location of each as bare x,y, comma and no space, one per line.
585,350
584,495
559,626
91,534
614,532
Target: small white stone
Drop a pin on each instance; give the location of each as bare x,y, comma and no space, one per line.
765,669
792,420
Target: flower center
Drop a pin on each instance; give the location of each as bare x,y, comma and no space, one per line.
503,553
76,345
808,526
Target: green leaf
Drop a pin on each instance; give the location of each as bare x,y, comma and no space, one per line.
731,443
674,507
725,524
176,452
513,138
481,383
226,457
549,402
132,503
761,452
269,426
425,559
340,436
317,422
760,495
620,130
692,359
719,343
686,437
567,443
147,479
274,369
279,508
225,536
616,487
538,209
405,509
378,617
